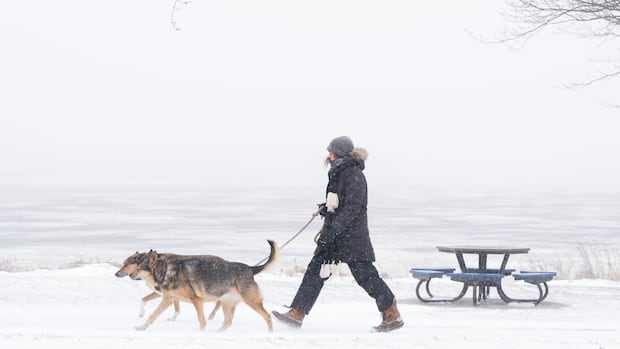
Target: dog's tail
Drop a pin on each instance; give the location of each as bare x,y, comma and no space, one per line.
274,256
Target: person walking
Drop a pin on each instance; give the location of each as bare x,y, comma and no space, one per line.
344,238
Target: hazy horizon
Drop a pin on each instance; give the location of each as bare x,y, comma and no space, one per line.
108,91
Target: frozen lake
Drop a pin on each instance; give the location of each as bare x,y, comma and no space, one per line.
61,226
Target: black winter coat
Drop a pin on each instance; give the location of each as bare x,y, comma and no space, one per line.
350,219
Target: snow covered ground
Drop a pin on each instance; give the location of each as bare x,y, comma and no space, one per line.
62,246
88,307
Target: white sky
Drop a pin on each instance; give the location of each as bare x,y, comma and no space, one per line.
254,90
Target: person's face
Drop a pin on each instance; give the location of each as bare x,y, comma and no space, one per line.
330,159
331,156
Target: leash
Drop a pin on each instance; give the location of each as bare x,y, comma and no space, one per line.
296,234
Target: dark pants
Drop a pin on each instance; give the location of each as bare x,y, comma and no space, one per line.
365,275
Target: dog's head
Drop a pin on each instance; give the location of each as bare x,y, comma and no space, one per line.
150,263
131,265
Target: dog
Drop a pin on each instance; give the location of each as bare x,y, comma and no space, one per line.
130,268
197,281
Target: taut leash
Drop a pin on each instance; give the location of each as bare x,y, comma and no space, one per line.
296,234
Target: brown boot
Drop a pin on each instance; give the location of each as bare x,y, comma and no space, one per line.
293,317
391,319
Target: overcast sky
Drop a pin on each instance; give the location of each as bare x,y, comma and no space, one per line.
255,90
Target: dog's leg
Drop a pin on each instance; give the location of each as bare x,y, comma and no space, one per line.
258,307
163,305
254,299
232,314
142,309
197,302
228,309
145,300
177,311
214,311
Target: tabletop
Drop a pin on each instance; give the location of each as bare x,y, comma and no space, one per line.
483,249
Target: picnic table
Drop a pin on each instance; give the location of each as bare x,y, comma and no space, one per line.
481,278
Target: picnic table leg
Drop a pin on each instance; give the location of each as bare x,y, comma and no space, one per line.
503,295
482,263
428,292
463,291
504,263
541,295
542,298
480,293
475,292
483,291
428,289
461,260
427,300
417,291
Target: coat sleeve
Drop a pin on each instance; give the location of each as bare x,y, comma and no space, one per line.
352,201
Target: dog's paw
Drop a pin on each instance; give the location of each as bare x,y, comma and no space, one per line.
173,317
140,328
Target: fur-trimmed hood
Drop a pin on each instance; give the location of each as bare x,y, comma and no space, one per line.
360,153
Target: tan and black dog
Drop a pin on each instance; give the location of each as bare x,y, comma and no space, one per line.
130,268
197,281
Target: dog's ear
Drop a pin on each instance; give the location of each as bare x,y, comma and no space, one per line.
149,261
159,271
140,257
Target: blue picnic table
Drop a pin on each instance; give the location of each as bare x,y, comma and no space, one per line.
481,278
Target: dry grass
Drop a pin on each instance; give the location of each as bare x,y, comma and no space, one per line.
592,261
297,269
598,263
589,261
9,264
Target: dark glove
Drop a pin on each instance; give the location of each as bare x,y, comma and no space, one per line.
327,237
323,209
326,245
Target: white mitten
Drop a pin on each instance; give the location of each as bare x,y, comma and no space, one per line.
328,269
332,202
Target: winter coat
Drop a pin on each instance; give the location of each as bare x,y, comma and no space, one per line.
350,220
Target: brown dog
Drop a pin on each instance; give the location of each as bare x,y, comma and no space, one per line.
130,268
197,281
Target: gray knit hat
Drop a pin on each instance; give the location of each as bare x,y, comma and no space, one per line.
341,146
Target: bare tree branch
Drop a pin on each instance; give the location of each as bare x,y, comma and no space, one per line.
600,77
598,19
177,7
